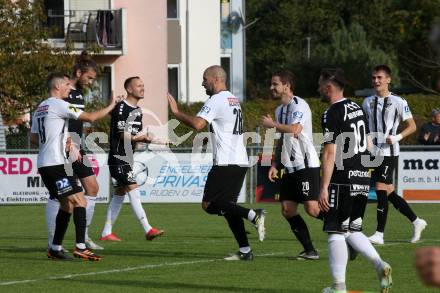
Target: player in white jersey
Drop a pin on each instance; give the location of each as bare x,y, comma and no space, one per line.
83,74
223,113
296,154
56,154
384,112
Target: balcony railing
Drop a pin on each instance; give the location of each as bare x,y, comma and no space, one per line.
101,27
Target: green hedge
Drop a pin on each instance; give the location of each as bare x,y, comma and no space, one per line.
421,106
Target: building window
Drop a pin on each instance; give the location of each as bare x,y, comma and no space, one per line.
54,10
225,62
173,9
173,82
225,31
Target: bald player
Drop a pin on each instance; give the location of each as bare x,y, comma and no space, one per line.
223,113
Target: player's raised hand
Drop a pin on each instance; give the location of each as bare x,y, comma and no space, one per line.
172,103
267,121
323,200
273,173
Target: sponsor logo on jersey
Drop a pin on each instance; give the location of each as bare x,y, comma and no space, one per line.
358,173
121,125
233,101
327,134
205,109
406,109
63,186
43,108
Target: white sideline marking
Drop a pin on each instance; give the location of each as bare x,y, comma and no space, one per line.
166,264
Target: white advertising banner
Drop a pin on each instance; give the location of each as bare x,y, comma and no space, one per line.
418,177
20,182
173,177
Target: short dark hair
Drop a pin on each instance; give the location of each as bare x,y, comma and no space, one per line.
383,68
286,76
52,79
129,80
335,76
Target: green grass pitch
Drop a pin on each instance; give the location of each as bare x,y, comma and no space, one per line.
188,258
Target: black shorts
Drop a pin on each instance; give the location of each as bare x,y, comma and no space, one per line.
300,186
122,175
58,183
347,207
224,183
81,168
384,172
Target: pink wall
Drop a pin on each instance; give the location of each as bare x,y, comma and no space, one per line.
147,53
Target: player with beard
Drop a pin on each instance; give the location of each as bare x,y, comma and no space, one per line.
345,182
222,111
125,132
296,153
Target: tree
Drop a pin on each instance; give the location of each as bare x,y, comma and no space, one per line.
26,58
350,50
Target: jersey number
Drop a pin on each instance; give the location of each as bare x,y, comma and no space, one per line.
360,136
41,129
238,126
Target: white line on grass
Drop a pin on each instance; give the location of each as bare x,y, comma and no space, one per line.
128,269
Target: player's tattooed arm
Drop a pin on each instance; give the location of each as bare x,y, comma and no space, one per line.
34,138
327,166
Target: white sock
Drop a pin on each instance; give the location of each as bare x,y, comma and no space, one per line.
245,249
135,200
56,247
90,210
338,258
251,215
361,244
112,213
81,245
52,208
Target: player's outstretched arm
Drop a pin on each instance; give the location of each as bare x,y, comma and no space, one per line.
268,122
97,115
194,122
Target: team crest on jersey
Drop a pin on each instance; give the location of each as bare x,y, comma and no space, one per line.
297,114
121,124
73,108
205,109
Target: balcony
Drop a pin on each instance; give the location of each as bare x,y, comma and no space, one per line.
85,29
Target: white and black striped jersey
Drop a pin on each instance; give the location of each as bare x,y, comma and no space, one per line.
298,152
384,115
223,113
124,118
76,126
50,122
